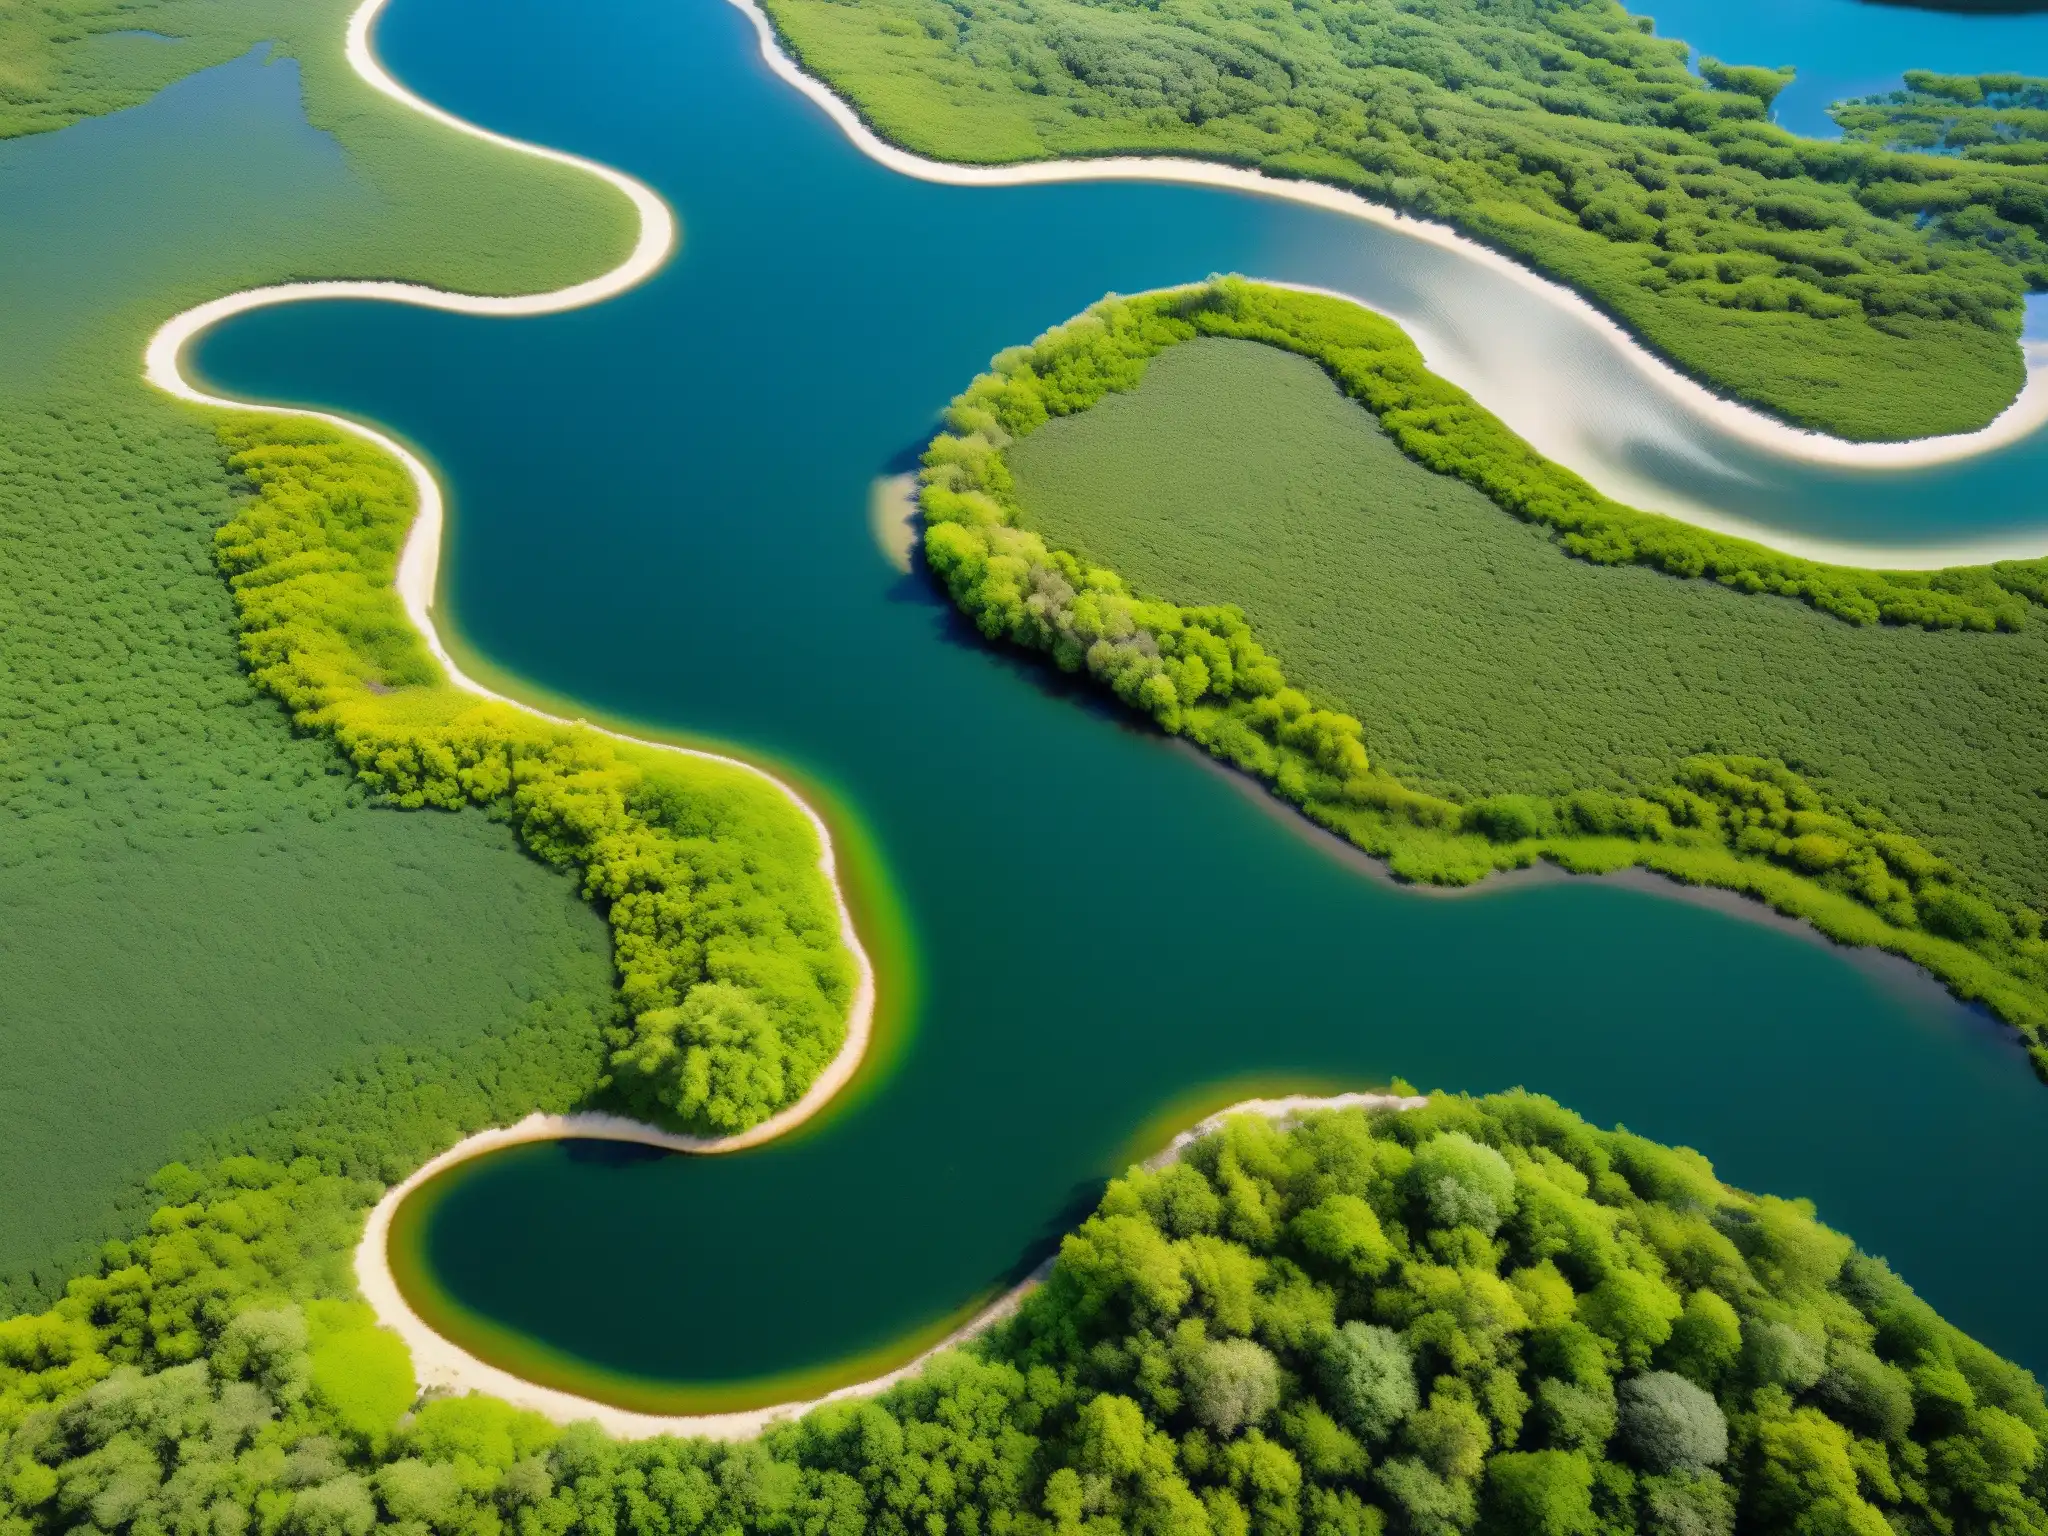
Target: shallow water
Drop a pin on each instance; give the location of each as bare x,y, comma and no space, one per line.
661,511
131,202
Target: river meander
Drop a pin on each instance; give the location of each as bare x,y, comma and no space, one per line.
660,511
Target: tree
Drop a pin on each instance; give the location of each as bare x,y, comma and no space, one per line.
1866,1394
1368,1379
1232,1384
1575,1417
1706,1341
1462,1182
1667,1424
1634,1310
1538,1493
1343,1230
1687,1504
716,1060
1782,1355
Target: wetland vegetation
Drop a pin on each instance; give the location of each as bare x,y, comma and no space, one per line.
209,924
725,931
1482,1316
1846,286
1617,757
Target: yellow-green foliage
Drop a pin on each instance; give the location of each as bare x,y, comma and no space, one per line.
1745,823
725,933
363,1372
1479,1316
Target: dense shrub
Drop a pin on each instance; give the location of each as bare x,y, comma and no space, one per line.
725,933
205,922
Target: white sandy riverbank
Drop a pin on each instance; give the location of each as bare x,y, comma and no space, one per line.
2025,415
419,563
443,1365
417,573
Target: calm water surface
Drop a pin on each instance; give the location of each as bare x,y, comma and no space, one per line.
661,510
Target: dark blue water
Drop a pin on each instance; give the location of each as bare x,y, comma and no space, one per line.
661,511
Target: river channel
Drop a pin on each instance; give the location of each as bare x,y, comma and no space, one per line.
660,510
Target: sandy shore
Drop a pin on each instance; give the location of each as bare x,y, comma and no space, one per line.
2024,416
418,568
419,563
445,1366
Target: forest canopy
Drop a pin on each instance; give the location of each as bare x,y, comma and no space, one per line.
1482,1315
1847,286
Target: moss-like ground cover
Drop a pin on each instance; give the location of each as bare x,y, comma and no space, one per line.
1260,594
1481,663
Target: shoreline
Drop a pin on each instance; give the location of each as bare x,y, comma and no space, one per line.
2027,413
417,576
420,560
1890,969
442,1365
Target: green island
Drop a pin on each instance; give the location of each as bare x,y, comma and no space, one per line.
1534,715
1863,288
1479,1315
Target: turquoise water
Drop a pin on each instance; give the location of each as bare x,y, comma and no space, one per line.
660,509
1845,48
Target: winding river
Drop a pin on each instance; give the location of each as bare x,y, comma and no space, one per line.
660,510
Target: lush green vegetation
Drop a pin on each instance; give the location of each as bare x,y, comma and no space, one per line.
1478,662
724,931
1997,118
1869,293
1691,789
1483,1315
206,922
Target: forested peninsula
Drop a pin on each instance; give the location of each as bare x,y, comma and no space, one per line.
1745,822
725,932
1864,288
1483,1315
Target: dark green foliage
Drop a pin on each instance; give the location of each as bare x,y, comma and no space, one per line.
1498,675
1126,1395
1865,292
